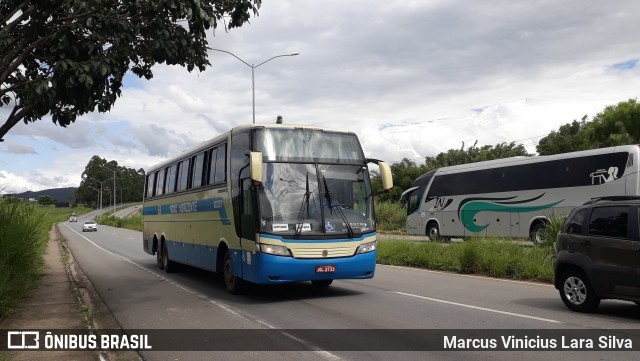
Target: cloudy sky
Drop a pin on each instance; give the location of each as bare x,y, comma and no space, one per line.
411,77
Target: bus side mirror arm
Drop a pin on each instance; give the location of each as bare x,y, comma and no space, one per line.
385,176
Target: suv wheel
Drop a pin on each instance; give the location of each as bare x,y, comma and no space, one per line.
576,292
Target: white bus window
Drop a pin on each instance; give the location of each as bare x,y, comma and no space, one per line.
198,166
212,165
221,164
183,176
170,183
160,182
150,184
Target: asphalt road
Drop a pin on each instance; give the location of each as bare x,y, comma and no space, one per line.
142,297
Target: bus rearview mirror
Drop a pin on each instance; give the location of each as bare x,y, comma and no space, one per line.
255,159
385,175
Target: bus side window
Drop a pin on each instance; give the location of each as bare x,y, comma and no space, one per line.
198,165
247,217
221,162
160,182
183,175
212,165
170,183
151,187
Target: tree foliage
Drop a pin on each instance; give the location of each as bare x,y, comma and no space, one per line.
617,125
45,200
475,154
68,57
279,119
570,137
404,173
99,173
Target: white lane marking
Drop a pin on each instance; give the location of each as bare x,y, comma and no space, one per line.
476,307
318,351
468,276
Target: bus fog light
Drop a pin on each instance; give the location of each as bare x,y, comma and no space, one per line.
366,247
275,250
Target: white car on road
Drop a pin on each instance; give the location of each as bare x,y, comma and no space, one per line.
89,226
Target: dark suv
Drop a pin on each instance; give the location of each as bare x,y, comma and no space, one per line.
598,253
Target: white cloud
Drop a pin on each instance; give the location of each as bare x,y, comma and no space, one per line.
411,78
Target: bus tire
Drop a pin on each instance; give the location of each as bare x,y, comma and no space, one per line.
321,283
158,256
167,264
537,232
433,232
234,284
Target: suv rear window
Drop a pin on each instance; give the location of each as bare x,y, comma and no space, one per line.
576,220
609,221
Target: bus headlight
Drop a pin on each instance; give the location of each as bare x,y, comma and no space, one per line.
366,247
275,250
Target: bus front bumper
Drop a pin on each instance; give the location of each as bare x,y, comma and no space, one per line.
270,269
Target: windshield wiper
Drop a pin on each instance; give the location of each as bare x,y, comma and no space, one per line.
329,196
303,205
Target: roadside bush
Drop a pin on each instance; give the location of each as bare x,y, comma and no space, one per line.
390,216
493,257
551,230
24,232
133,222
21,248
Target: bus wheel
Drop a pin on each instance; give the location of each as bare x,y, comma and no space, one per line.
321,283
167,264
537,233
159,258
433,232
233,283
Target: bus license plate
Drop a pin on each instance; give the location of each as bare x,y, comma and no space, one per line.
325,269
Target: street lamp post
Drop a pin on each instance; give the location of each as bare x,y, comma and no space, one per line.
114,187
100,187
253,67
99,193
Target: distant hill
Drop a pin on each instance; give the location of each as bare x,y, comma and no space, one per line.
58,194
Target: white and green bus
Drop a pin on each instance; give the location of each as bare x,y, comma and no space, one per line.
513,197
266,204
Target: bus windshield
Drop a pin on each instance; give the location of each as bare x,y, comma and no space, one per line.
310,145
315,199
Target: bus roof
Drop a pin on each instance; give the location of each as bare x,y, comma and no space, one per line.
224,136
506,162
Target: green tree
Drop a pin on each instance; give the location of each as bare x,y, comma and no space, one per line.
99,172
404,173
68,57
279,119
617,125
570,137
45,200
474,154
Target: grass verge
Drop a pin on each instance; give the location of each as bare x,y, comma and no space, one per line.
491,257
24,232
134,222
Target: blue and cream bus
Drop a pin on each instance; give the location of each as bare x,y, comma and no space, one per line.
512,197
266,204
